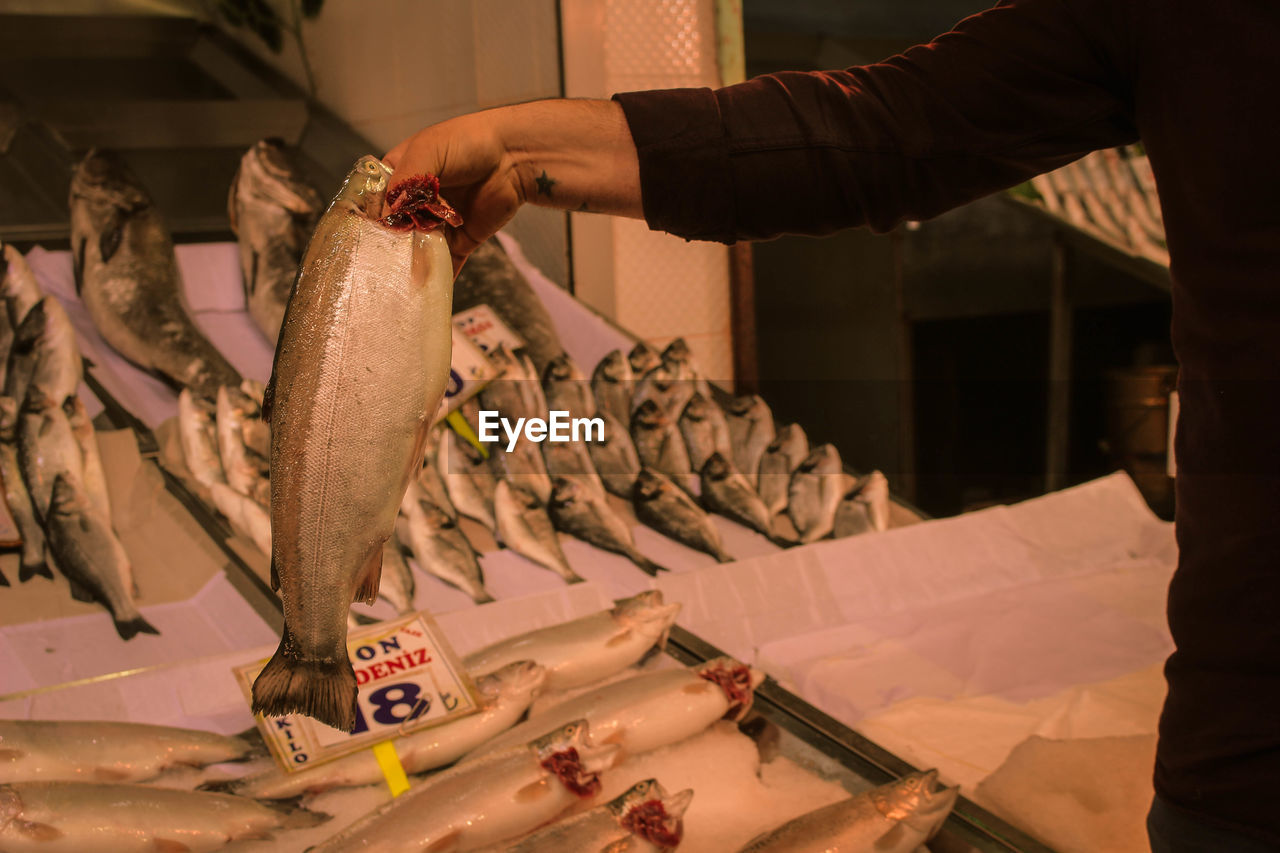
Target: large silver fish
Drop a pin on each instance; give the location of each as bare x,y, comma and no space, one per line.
895,818
671,512
359,372
647,711
32,560
704,430
815,491
101,751
273,211
566,388
481,802
612,384
490,278
45,353
87,551
589,648
728,493
780,460
525,527
750,431
614,457
439,546
504,697
86,817
583,512
644,815
128,278
95,478
660,445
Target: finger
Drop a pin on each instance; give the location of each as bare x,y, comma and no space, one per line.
392,158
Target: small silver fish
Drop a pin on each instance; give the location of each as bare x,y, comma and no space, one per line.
612,383
662,387
439,546
815,491
780,460
751,431
728,493
583,512
525,527
704,430
659,444
467,477
566,388
32,561
571,460
522,466
895,818
615,457
671,512
864,509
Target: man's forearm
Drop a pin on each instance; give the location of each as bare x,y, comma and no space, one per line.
572,154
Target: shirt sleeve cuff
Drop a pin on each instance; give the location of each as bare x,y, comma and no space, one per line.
685,176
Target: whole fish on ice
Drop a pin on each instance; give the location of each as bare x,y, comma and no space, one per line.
439,546
614,457
727,492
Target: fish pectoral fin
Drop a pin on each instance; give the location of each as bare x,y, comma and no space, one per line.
533,791
619,638
109,774
37,831
8,753
370,579
445,843
275,576
109,240
168,845
892,839
80,592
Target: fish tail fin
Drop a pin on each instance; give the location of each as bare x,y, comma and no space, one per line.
298,817
4,581
325,690
723,556
27,571
574,577
649,566
483,597
370,578
220,786
130,628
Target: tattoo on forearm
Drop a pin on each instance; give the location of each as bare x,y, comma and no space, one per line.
545,184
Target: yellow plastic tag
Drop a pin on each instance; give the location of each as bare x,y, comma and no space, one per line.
462,428
392,770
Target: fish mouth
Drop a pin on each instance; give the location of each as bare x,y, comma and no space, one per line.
365,187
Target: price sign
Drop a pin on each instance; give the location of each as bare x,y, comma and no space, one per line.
409,679
469,371
485,329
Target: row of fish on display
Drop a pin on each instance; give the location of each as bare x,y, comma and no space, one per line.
485,782
50,465
1110,193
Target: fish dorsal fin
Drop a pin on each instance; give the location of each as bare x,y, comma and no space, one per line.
370,578
275,576
169,845
37,831
110,239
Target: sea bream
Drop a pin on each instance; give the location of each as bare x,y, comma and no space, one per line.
668,510
660,446
127,277
614,457
589,648
583,512
642,359
727,492
751,431
501,796
781,458
647,711
469,480
102,751
86,817
895,818
566,388
273,210
525,527
504,697
360,369
612,384
439,546
572,460
864,508
814,493
704,430
641,819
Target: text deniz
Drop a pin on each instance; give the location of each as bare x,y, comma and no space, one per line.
557,427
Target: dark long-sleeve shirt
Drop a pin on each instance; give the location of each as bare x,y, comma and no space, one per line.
1018,90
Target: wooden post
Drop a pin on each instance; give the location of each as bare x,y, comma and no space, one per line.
1058,431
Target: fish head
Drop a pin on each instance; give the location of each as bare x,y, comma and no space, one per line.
8,418
519,678
746,406
649,415
32,328
434,517
104,181
65,499
821,460
677,351
643,358
917,800
649,812
562,369
649,486
270,171
736,679
647,615
365,188
717,468
698,407
785,439
505,363
614,367
565,491
37,402
576,737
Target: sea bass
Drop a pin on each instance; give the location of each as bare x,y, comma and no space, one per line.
659,444
895,818
525,527
566,388
705,431
359,372
481,802
273,210
128,278
84,817
45,353
583,512
780,460
590,648
439,546
814,493
751,431
99,751
95,479
647,711
728,493
612,384
32,561
504,697
643,818
47,449
614,457
468,478
671,512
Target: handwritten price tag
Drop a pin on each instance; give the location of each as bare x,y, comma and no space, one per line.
485,329
409,679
